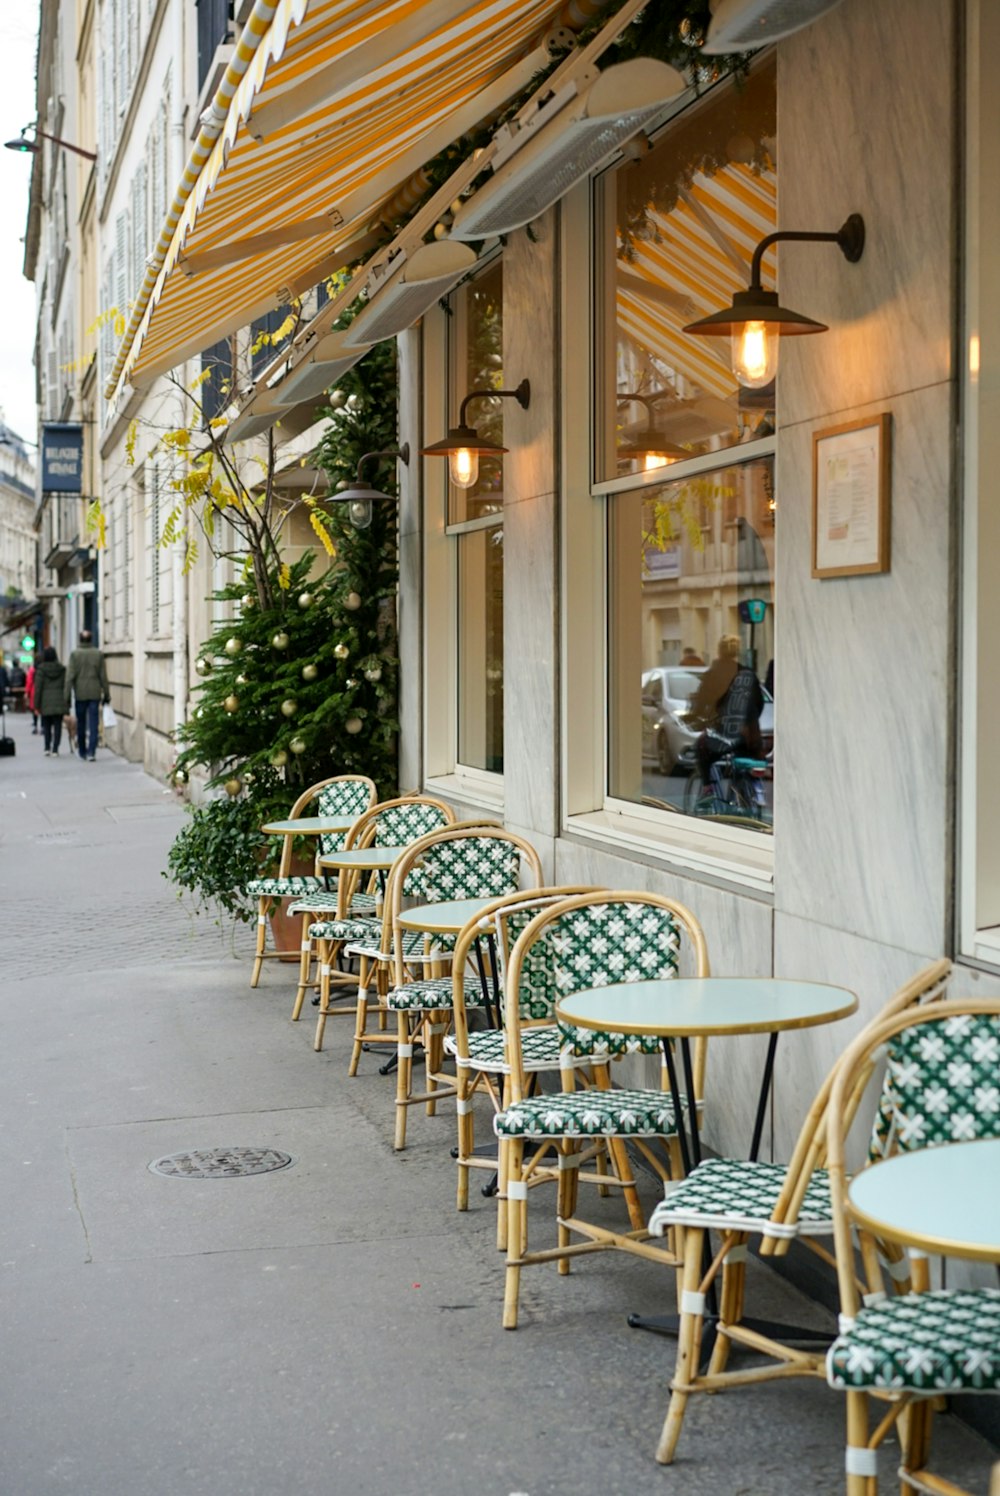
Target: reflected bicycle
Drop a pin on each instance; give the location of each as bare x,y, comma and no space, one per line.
734,791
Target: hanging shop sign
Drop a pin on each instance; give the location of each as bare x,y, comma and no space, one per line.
62,458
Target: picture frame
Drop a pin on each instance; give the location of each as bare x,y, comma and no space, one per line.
851,497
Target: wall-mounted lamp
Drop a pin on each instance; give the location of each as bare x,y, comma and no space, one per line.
463,445
26,146
360,497
755,321
650,447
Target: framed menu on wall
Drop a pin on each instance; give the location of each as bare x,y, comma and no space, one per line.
851,490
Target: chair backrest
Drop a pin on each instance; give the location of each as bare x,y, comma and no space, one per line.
394,823
469,860
940,1086
599,940
343,795
501,924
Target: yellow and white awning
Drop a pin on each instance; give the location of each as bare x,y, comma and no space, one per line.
329,107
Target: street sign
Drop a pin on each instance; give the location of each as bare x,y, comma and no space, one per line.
62,457
752,610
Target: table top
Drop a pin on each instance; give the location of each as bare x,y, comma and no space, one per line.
443,919
942,1199
378,859
309,826
685,1006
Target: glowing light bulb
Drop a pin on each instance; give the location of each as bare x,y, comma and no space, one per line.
755,355
655,460
463,467
359,512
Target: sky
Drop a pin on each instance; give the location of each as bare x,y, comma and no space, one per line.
18,33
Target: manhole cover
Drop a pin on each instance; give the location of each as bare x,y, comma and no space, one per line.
221,1163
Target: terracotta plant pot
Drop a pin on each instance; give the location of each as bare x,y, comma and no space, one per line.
286,929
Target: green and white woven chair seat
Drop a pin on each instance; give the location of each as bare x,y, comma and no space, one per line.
359,928
414,947
284,888
589,1114
947,1340
539,1046
732,1194
325,902
579,1042
429,992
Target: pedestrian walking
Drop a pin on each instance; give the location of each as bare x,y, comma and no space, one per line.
29,696
51,699
88,681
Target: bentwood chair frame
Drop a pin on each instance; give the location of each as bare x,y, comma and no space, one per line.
740,1198
896,1352
640,1115
362,929
313,883
481,1061
425,1007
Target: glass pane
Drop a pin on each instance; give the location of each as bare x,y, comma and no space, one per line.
691,645
477,362
681,225
480,649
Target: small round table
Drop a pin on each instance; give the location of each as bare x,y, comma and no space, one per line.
941,1200
365,859
309,826
707,1007
446,918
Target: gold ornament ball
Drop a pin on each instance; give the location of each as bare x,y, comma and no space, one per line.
298,745
289,707
233,647
374,674
232,704
241,680
280,641
203,666
232,787
309,672
354,724
305,599
279,759
249,600
341,651
352,601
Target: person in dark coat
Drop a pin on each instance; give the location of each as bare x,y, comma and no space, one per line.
88,680
51,699
727,705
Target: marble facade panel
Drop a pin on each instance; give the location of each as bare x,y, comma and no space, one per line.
866,125
865,684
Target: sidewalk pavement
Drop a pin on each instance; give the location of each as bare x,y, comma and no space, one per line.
331,1328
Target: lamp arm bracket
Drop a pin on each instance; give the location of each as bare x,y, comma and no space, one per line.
402,452
522,395
849,238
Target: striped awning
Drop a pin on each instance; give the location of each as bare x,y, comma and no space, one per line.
332,106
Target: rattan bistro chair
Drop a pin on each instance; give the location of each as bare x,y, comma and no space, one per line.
740,1198
344,795
466,861
356,928
594,940
902,1340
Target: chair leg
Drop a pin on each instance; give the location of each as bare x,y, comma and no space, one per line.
360,1016
305,966
730,1304
916,1441
857,1439
619,1156
517,1200
261,941
688,1346
404,1077
566,1195
466,1131
324,994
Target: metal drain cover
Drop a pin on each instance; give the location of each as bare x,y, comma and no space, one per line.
221,1163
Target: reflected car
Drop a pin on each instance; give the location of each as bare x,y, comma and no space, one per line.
667,740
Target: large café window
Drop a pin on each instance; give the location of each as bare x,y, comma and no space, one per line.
685,459
475,520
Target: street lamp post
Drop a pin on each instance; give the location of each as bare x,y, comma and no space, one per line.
26,146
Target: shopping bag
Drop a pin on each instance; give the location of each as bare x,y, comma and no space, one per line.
108,715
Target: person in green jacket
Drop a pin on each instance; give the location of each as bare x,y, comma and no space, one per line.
51,699
88,680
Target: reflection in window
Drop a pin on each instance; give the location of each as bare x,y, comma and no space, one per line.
691,644
681,225
480,649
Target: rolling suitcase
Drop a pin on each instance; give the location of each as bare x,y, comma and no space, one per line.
7,745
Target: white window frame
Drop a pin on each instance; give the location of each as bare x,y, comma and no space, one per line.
725,854
978,934
444,774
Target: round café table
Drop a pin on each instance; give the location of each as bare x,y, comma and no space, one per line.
448,918
683,1008
936,1199
309,826
365,859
